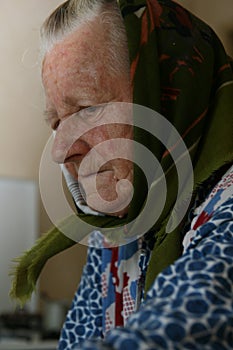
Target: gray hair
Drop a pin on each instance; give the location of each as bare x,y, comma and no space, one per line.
72,14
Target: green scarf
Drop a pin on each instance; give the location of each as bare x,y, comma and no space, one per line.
178,68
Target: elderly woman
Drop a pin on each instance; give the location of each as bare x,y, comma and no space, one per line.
164,289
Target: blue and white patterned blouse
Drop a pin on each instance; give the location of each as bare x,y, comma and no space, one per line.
190,304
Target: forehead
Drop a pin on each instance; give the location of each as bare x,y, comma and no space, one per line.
75,66
77,52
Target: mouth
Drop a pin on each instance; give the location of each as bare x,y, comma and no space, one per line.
74,158
91,168
94,173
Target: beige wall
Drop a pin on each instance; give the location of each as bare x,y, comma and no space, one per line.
23,132
218,14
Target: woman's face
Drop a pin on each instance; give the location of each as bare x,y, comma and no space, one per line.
79,90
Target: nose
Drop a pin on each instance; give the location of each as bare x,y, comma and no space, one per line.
60,147
69,144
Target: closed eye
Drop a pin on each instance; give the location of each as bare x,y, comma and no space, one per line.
92,112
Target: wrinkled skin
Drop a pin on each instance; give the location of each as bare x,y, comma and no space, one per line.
75,77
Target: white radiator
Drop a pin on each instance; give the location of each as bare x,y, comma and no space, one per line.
18,230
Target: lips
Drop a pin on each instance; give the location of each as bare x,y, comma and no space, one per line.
95,173
88,171
74,158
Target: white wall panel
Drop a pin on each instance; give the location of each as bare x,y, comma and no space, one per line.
18,230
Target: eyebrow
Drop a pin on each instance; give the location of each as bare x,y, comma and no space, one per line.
51,113
70,101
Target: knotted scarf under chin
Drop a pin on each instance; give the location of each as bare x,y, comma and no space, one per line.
178,68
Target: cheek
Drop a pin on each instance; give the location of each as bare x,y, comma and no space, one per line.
108,132
96,135
106,195
100,189
120,145
119,131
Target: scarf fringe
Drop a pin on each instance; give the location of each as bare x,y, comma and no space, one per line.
25,274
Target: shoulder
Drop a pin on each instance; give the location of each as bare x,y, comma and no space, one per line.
213,218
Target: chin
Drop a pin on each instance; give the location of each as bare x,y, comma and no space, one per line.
107,195
120,214
107,207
